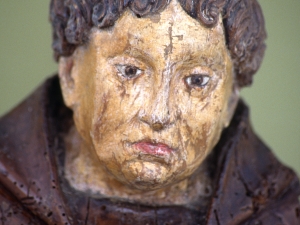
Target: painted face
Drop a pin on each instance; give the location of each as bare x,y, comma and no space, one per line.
150,95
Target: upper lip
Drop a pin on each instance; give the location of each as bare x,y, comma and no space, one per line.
155,142
161,146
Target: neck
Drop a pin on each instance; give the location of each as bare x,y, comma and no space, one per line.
85,173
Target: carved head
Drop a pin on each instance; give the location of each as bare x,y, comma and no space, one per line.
153,84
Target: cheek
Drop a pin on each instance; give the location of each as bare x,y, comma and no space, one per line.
195,135
84,108
201,124
116,113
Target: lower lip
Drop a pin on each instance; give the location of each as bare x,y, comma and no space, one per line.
153,149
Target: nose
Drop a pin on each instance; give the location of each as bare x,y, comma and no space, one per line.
156,114
157,119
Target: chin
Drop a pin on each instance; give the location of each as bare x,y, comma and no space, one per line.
147,175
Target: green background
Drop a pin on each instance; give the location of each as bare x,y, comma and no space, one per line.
26,60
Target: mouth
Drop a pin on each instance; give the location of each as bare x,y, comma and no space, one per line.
158,149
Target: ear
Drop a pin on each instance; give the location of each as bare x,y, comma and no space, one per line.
232,103
66,80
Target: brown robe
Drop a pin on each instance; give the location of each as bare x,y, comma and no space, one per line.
250,185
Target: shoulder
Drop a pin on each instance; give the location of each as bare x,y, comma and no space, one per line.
28,172
252,184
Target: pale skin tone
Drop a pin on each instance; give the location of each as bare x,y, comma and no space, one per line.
150,98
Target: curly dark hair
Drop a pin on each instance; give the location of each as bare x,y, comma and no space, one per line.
243,22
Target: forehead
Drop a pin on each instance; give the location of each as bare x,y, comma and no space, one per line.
172,34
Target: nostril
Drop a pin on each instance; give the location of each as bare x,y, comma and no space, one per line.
157,126
144,119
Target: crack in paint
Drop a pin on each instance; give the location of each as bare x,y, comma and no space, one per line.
169,47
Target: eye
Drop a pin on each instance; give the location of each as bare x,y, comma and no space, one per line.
129,71
197,80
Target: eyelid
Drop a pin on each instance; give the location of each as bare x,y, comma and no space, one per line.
125,60
119,66
202,70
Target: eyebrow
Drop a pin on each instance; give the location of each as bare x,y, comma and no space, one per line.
204,60
141,55
189,60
